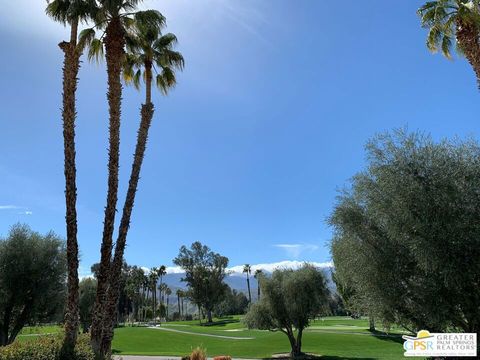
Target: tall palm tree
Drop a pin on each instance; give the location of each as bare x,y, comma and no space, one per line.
153,279
112,17
179,293
168,292
161,273
258,274
148,49
248,270
451,21
70,12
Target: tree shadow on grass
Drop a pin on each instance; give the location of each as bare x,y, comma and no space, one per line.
320,357
387,337
345,358
221,322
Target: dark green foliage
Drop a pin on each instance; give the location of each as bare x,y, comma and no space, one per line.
234,303
290,300
204,275
45,348
407,234
88,291
32,280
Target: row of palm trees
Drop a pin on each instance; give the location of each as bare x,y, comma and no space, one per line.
134,47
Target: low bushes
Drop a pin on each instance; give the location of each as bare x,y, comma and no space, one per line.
45,348
201,354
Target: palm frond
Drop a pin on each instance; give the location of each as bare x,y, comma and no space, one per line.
447,46
170,58
136,79
58,10
434,38
85,38
166,80
66,10
165,41
149,19
95,50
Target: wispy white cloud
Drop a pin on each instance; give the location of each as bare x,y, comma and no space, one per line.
295,250
21,210
10,207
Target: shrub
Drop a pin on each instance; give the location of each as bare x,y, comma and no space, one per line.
45,348
198,354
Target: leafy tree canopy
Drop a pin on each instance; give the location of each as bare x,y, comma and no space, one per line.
407,235
290,300
32,279
205,271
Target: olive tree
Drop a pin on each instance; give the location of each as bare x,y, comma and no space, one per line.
407,233
32,279
290,300
88,291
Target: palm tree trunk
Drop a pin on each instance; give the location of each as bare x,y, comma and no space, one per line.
114,50
70,73
147,111
469,43
249,293
179,309
154,303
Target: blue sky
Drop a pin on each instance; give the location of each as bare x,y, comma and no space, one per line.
246,155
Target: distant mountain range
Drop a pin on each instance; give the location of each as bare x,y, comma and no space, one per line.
235,281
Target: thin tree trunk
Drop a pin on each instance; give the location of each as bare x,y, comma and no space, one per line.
147,111
70,73
154,304
469,43
248,286
166,309
114,50
179,309
371,323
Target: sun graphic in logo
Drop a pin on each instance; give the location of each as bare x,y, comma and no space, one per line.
422,334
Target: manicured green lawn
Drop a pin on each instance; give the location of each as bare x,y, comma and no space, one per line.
334,338
41,329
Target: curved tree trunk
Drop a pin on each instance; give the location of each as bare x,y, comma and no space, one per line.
114,52
70,73
147,111
469,43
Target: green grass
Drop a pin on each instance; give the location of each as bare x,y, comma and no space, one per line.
40,330
332,337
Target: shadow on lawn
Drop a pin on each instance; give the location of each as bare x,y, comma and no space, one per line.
222,322
326,357
387,337
345,358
